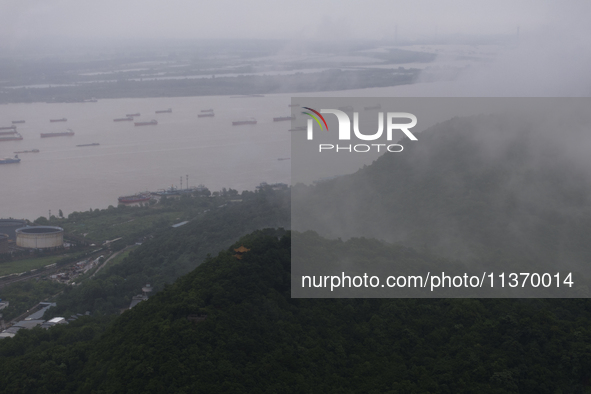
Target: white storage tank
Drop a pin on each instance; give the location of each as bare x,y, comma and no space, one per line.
40,237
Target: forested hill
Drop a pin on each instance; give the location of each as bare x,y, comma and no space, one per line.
232,326
487,188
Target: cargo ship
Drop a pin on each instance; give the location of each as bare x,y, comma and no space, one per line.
13,137
122,119
241,122
132,115
8,128
93,144
68,133
135,198
207,110
12,131
9,160
152,122
28,151
164,111
282,118
206,115
18,121
58,120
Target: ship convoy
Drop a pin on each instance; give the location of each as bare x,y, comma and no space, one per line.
10,133
172,192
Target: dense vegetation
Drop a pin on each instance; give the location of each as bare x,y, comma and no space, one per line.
256,338
172,252
25,295
329,80
171,70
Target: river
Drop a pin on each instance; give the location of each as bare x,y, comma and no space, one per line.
131,159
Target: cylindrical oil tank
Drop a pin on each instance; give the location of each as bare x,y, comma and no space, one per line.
9,226
40,237
3,243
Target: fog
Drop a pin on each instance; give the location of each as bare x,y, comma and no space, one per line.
69,20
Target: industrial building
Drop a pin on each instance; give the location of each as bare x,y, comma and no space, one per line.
9,227
40,237
3,243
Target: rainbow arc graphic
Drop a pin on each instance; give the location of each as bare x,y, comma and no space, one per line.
315,117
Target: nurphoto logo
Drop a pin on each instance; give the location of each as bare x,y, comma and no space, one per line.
392,124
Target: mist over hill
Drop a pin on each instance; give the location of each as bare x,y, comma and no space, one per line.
491,190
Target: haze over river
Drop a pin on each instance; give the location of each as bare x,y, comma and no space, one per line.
132,159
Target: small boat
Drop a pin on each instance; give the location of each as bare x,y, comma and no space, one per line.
207,110
164,111
242,122
283,118
211,115
58,120
18,121
28,151
93,144
293,105
132,115
150,123
299,128
284,158
9,160
122,119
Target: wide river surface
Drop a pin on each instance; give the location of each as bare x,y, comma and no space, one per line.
132,159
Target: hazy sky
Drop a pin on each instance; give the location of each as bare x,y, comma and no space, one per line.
33,20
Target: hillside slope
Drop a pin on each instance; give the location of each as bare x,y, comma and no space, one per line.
257,339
